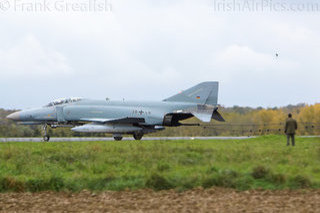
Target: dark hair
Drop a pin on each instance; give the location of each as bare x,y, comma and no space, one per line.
290,115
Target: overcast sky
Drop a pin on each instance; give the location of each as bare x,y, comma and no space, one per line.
149,50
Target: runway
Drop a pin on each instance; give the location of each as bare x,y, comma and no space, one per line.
124,139
131,139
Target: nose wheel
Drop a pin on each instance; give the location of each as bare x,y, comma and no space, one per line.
46,137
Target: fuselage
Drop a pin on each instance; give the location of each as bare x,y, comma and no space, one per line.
86,109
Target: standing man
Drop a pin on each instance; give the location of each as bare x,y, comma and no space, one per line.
290,129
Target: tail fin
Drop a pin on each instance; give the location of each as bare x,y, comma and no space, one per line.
203,93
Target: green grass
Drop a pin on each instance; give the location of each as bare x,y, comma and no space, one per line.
263,162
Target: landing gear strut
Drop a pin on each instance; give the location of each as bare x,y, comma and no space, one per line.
46,137
138,136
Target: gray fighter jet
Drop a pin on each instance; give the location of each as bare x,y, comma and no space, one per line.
125,117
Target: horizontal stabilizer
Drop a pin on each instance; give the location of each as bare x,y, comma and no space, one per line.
217,116
204,113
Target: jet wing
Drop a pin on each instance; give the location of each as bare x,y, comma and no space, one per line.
127,120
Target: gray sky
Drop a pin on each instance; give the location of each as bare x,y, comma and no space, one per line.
149,50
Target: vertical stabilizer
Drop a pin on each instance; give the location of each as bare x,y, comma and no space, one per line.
203,93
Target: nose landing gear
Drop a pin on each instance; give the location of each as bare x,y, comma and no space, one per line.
46,137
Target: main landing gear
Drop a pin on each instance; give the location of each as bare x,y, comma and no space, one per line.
46,137
138,136
117,137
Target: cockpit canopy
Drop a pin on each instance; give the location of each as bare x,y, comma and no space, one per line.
63,101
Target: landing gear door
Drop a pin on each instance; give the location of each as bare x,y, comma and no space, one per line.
60,116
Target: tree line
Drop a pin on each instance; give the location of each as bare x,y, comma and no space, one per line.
240,121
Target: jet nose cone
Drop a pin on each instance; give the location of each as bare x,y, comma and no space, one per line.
14,116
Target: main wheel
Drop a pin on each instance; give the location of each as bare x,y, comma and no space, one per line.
138,136
46,138
118,138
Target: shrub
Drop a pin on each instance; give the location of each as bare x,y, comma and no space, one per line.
260,172
157,182
218,181
184,183
278,178
209,182
162,166
244,182
212,169
100,183
56,183
11,184
37,185
225,179
300,181
230,173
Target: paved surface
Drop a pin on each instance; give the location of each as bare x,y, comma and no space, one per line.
197,200
111,139
131,139
309,136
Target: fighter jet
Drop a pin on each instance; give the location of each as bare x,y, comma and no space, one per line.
125,117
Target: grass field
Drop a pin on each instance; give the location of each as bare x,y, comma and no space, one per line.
264,162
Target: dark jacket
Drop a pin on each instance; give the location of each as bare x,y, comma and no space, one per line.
291,126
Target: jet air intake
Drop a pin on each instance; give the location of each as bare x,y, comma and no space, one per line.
173,119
